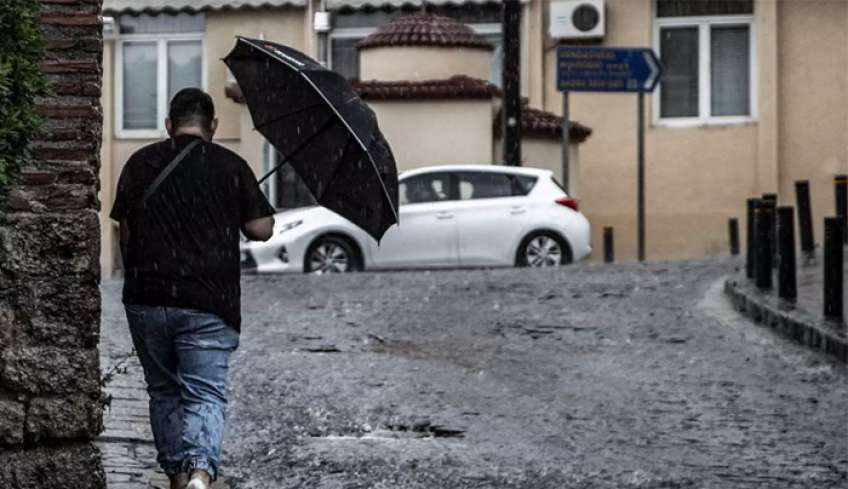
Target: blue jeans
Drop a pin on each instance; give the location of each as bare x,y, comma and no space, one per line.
185,355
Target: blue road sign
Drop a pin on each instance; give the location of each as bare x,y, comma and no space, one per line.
596,69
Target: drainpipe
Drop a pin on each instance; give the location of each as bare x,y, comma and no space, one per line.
511,77
322,23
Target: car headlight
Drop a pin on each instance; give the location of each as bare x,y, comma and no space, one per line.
289,226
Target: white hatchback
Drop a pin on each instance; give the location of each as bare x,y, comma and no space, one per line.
450,216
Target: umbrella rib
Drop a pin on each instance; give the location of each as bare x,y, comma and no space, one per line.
299,148
288,114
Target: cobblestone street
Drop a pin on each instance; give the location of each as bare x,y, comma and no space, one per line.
591,376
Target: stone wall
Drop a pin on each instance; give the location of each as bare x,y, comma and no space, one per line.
50,397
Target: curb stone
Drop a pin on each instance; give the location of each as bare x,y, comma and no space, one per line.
796,324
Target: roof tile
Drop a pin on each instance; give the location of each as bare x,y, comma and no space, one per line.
425,30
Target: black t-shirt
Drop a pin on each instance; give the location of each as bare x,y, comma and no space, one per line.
183,246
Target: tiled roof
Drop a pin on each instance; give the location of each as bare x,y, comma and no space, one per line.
534,122
425,30
542,124
151,6
457,87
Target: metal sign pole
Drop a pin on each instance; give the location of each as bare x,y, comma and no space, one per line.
640,197
600,69
566,176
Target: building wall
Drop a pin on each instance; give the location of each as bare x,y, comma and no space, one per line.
108,179
399,63
813,100
50,398
696,177
285,26
437,132
546,153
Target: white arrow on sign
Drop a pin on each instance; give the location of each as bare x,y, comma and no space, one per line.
654,67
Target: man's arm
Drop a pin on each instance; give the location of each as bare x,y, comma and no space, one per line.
124,232
259,229
256,213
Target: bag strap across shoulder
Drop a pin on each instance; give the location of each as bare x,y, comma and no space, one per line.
167,170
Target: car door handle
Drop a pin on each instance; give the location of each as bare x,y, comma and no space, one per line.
517,210
444,215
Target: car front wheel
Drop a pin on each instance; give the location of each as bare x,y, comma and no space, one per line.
330,254
543,249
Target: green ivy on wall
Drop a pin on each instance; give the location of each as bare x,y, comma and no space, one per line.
21,82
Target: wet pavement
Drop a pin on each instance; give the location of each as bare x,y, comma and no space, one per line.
591,376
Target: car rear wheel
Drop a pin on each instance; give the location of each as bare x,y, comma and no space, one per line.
330,254
543,249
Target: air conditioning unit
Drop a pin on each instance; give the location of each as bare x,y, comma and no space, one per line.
578,19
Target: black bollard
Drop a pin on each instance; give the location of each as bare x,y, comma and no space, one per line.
787,285
764,221
733,231
834,275
749,240
609,245
771,199
840,184
805,219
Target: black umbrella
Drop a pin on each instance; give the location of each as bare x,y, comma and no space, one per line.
321,127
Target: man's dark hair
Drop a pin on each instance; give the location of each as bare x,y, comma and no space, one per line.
190,107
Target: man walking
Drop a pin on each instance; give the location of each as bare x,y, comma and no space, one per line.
181,204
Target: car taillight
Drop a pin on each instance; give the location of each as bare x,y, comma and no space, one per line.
569,202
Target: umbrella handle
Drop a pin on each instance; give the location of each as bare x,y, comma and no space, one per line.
273,170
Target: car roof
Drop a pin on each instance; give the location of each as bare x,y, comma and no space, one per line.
519,170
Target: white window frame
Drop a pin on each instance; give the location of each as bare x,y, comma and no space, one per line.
271,162
161,41
704,25
345,33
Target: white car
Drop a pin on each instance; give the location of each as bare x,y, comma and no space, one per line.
450,216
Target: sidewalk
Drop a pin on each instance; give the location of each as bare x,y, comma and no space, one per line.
802,321
129,456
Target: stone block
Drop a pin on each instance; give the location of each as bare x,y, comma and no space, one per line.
70,67
72,417
85,19
12,415
63,311
64,111
72,465
52,244
8,326
45,198
51,371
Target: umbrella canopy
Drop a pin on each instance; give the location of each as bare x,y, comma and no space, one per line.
312,116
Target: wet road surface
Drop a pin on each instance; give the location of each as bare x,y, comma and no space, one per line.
586,377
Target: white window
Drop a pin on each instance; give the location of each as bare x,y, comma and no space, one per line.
155,58
708,55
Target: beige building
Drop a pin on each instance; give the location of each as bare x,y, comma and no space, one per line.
755,96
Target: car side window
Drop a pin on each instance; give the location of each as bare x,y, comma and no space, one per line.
492,185
429,187
523,184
